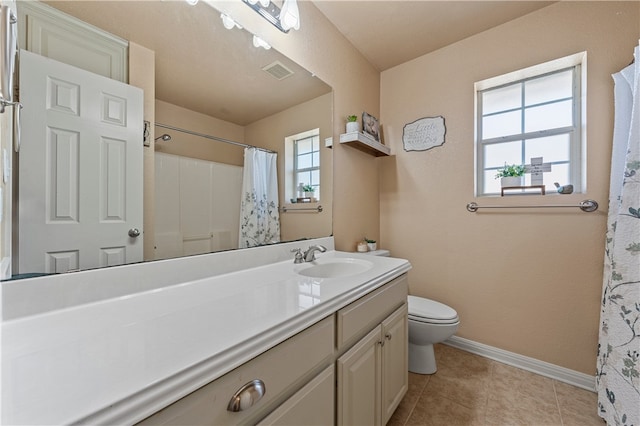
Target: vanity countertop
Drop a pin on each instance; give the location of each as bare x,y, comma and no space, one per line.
118,360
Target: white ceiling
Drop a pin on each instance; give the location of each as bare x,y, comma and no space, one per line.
391,32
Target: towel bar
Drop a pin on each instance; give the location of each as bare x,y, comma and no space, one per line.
284,209
585,205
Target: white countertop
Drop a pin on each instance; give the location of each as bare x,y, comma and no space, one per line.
120,359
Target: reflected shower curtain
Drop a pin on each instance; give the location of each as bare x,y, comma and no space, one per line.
618,371
259,216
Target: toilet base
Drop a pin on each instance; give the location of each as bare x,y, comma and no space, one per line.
422,359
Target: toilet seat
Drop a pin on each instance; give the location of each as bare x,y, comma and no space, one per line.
431,312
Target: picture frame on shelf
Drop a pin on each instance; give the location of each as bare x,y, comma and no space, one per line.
371,126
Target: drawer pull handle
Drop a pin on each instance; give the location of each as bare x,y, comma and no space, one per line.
247,395
388,336
381,343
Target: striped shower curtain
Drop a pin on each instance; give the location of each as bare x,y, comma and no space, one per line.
618,371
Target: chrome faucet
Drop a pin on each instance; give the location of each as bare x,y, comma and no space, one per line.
310,256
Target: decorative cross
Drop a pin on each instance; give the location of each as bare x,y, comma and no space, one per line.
537,168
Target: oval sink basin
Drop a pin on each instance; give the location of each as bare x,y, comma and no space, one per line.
334,268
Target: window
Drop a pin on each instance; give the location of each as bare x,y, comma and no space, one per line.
531,113
302,158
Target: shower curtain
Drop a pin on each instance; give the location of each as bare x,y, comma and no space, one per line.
618,371
259,216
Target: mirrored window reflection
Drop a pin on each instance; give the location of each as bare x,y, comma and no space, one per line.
302,163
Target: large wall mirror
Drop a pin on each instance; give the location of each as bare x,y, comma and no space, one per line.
212,86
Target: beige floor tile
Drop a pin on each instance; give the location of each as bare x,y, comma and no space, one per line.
464,362
466,391
433,410
522,410
513,382
417,382
578,407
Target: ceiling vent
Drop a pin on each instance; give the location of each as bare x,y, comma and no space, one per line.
278,70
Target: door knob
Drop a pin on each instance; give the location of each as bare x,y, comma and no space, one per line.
134,232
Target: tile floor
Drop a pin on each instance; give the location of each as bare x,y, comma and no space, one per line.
469,389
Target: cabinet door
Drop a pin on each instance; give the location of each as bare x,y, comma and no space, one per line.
395,376
359,382
311,405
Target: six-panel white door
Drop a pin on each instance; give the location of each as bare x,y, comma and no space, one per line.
80,177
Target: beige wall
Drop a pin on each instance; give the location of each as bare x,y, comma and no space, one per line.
527,281
195,146
270,133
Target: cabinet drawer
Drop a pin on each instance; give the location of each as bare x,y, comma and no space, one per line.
358,318
283,369
312,405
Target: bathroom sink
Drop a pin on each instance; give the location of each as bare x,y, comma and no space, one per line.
334,267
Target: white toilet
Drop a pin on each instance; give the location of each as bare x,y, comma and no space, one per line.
429,322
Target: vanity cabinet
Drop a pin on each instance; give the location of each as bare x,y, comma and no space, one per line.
349,368
373,373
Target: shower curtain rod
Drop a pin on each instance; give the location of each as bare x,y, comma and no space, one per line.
215,138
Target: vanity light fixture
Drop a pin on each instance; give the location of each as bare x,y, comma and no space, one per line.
228,22
258,42
192,2
284,20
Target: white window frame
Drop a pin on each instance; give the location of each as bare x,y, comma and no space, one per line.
291,186
577,133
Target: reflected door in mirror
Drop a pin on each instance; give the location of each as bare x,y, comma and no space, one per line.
80,169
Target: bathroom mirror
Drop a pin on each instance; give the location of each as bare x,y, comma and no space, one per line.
206,69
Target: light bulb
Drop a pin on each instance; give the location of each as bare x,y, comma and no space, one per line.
263,3
289,15
228,22
258,42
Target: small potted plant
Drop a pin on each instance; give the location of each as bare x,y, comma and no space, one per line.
352,123
308,191
371,244
510,175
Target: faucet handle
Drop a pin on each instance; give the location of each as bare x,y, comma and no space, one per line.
298,257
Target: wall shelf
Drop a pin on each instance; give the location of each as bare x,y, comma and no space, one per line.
365,143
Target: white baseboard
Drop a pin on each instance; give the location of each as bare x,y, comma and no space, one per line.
542,368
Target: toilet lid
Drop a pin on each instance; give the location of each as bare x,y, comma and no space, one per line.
420,307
